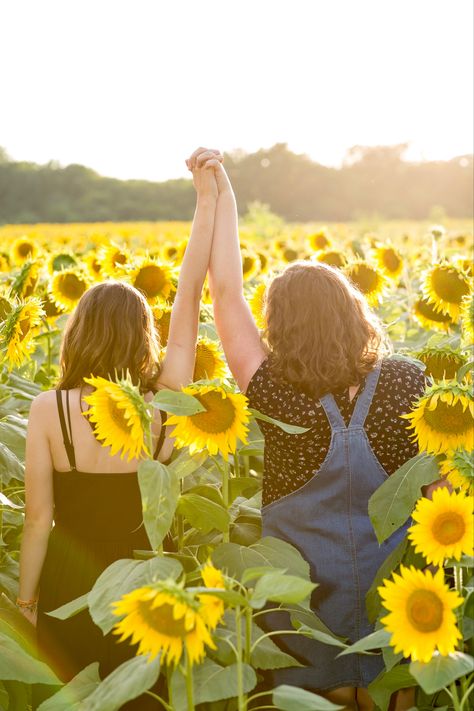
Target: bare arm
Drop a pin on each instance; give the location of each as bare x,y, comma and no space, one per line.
234,321
39,502
178,365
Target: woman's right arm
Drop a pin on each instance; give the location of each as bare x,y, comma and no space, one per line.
235,324
39,502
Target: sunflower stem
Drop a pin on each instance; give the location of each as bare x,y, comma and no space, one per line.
455,697
236,464
241,699
458,583
189,683
246,466
225,496
248,634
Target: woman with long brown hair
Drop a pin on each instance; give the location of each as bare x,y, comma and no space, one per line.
322,365
92,496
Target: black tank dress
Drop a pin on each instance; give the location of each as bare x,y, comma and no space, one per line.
98,520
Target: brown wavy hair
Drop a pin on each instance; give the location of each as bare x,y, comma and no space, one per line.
321,332
112,331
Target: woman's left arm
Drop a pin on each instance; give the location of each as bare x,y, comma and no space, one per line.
39,504
178,365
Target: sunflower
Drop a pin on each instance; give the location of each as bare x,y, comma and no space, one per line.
250,265
216,429
257,305
389,260
171,252
445,286
25,282
151,278
467,318
67,287
428,318
6,304
437,231
333,257
18,331
289,254
264,263
163,618
441,362
212,608
209,362
4,262
443,418
24,249
421,617
458,468
465,264
443,526
368,279
319,240
93,265
51,309
113,260
162,317
120,415
61,260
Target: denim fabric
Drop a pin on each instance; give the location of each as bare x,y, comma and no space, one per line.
327,520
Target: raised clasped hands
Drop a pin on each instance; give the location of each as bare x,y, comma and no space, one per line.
209,176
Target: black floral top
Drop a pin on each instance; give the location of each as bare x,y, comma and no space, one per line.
289,461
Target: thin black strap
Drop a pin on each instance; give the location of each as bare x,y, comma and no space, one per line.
67,441
161,438
70,431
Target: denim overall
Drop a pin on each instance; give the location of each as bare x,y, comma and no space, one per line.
327,521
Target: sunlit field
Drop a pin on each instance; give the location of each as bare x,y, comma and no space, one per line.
214,567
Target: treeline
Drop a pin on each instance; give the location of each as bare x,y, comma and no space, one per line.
372,180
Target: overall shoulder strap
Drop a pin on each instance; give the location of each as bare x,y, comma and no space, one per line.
67,438
365,398
332,411
161,438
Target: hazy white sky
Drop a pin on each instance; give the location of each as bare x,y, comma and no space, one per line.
130,87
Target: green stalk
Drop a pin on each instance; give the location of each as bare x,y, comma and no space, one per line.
454,696
189,683
248,635
242,702
246,466
236,464
458,582
225,495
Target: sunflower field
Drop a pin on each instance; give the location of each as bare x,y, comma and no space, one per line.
197,608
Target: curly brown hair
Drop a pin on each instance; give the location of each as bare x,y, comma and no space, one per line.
321,332
110,333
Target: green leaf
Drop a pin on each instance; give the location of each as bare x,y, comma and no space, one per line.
128,681
373,601
254,573
177,403
70,608
185,464
122,577
441,671
238,485
267,655
268,551
392,503
252,449
320,636
211,683
464,370
203,514
279,587
390,658
159,491
291,698
10,465
383,686
78,689
289,429
465,561
17,665
302,616
376,640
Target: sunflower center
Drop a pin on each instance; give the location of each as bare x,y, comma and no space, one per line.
391,260
247,264
219,415
25,249
442,365
24,327
118,416
427,311
119,258
5,307
425,610
334,259
365,278
72,287
449,285
449,419
448,528
205,363
150,280
161,619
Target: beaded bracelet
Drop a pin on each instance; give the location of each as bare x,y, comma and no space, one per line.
29,605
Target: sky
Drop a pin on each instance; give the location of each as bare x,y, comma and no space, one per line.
131,87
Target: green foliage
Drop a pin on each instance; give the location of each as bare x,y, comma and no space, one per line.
441,671
159,489
290,698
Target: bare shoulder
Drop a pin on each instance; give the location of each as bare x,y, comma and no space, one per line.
43,406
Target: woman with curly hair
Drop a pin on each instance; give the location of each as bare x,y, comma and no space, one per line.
322,364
